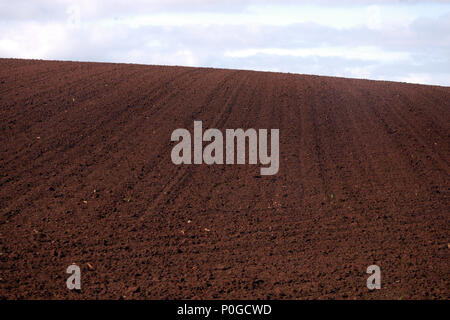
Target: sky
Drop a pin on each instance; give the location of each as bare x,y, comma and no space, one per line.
398,40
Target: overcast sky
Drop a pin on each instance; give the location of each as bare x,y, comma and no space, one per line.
391,40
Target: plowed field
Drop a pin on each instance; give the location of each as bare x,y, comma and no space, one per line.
86,177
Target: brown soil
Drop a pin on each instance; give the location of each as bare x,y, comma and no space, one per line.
86,178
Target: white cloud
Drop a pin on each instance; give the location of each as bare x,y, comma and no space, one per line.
393,40
374,20
33,40
361,53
